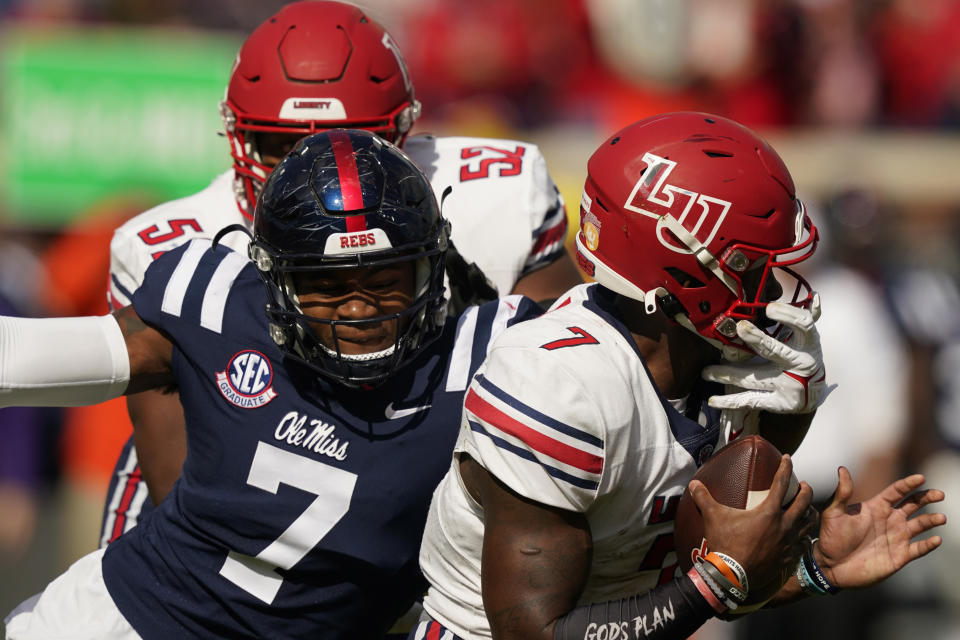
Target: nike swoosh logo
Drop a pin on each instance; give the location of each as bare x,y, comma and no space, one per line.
393,414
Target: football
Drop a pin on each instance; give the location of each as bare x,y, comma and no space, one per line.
738,475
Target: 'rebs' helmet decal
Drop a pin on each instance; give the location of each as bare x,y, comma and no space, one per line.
694,213
346,199
314,65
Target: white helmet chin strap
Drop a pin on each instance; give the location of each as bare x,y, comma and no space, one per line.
699,250
618,284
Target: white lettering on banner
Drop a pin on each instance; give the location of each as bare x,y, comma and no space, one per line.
247,385
244,402
317,436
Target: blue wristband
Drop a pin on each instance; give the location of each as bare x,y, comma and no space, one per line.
814,574
807,585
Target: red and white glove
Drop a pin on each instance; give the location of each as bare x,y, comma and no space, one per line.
788,377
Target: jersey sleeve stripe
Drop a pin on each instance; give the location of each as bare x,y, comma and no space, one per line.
458,374
113,303
527,410
556,218
118,295
215,297
124,473
176,287
526,455
536,440
549,244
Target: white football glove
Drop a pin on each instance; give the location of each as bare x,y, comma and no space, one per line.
789,378
735,423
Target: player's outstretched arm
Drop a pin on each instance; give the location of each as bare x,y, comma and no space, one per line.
149,351
79,361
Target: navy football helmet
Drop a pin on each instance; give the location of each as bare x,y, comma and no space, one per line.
346,199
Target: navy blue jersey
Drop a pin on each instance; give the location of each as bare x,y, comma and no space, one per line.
301,504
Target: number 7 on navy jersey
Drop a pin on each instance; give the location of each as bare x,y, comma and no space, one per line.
583,338
333,487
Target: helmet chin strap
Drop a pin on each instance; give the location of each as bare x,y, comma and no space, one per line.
709,262
699,250
728,352
618,284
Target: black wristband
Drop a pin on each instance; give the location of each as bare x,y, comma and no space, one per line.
814,573
672,610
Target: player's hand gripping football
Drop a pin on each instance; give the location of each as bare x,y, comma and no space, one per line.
863,543
767,540
790,376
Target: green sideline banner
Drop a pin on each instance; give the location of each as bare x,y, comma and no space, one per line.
89,114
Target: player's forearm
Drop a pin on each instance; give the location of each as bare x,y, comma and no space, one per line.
671,611
789,592
150,353
807,580
61,361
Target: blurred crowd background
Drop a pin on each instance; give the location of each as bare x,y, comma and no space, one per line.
108,107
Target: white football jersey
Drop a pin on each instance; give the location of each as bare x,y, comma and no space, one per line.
564,412
139,240
506,214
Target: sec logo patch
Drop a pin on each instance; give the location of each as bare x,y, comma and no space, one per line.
247,380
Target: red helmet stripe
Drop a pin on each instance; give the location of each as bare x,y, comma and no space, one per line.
349,178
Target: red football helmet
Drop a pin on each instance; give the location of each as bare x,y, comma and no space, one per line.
692,212
313,65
